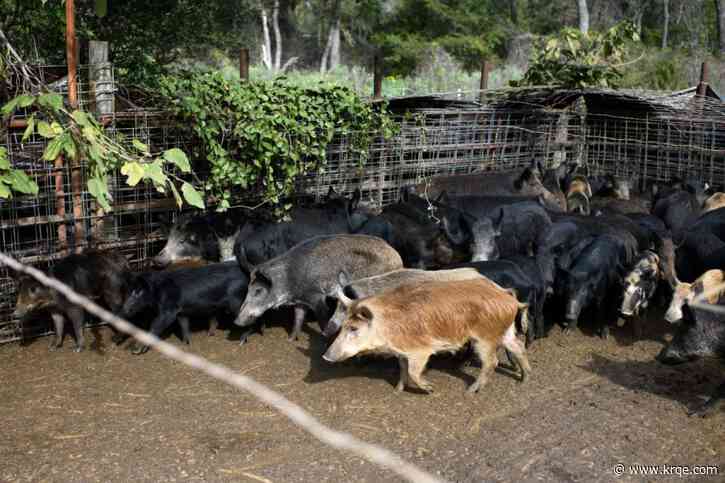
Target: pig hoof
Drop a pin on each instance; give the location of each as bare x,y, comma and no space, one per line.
292,337
704,411
78,348
140,349
400,386
211,333
242,341
569,330
604,334
426,386
473,388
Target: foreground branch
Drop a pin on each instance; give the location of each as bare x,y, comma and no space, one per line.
292,411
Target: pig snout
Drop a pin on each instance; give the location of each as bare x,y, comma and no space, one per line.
674,313
573,309
333,354
332,327
247,316
162,259
670,356
630,302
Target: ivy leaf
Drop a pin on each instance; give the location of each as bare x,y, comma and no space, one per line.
177,156
22,183
99,190
192,196
51,100
134,171
140,146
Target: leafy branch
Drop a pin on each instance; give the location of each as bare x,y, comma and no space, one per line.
574,59
78,135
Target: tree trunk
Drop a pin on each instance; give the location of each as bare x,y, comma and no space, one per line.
720,6
583,13
666,25
267,42
326,54
277,37
335,45
514,12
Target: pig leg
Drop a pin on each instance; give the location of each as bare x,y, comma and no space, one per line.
59,323
185,329
299,319
711,405
403,374
75,314
487,353
515,348
160,323
213,325
416,366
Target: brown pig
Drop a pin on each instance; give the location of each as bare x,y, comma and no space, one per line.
712,282
415,321
713,202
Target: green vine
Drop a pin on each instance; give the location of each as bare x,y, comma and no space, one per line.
78,135
264,135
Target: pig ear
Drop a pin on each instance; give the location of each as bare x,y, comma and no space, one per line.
365,313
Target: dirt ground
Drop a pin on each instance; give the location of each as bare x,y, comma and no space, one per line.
106,415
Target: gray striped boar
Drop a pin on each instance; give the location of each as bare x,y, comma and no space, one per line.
413,322
348,292
308,273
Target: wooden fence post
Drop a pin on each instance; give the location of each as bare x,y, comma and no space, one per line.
378,77
75,171
244,64
485,71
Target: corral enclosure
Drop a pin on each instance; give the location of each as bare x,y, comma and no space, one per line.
642,135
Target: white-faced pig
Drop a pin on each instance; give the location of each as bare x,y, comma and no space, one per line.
347,292
685,292
307,274
415,321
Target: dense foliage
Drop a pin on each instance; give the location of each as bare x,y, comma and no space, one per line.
265,134
77,135
575,59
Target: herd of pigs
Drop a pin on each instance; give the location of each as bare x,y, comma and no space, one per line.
460,262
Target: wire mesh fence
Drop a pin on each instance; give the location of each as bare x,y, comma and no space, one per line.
648,136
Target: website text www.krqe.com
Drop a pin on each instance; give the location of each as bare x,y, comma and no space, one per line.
667,470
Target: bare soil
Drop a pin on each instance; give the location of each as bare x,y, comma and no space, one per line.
106,415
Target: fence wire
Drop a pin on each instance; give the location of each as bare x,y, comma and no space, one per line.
295,413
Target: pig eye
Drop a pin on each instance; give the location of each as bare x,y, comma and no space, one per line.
33,290
258,291
353,329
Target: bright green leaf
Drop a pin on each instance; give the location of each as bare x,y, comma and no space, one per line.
99,190
177,196
51,100
177,156
192,196
29,129
82,118
4,161
140,146
155,173
53,149
4,191
134,171
45,130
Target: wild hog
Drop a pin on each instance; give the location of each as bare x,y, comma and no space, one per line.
714,202
347,292
308,273
640,284
686,292
98,275
701,334
578,202
415,321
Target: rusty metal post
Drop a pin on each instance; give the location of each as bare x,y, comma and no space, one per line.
71,52
75,172
60,203
378,77
244,64
702,86
485,72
